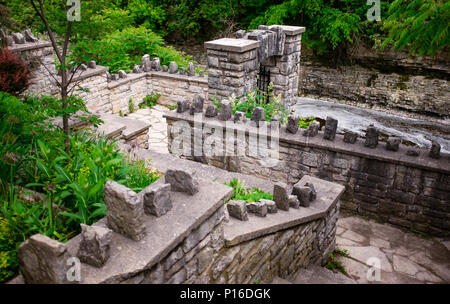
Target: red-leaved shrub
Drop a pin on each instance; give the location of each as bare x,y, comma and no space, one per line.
14,73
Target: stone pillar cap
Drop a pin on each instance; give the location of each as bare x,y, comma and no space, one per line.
290,30
232,45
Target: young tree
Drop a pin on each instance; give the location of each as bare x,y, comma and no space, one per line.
61,54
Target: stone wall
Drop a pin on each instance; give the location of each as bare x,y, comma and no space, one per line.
393,186
105,93
192,241
389,81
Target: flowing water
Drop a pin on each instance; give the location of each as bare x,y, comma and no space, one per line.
411,131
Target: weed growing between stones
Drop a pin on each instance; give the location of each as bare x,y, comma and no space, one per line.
334,264
250,195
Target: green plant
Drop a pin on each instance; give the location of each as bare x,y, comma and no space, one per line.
335,265
121,113
249,195
131,108
304,122
150,100
172,107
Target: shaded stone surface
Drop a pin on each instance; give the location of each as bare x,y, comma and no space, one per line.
271,205
28,35
258,208
238,116
330,128
43,260
303,194
313,194
157,199
313,129
225,110
182,181
350,137
125,211
393,143
294,202
371,137
435,150
173,67
281,196
183,105
258,115
292,125
211,111
94,245
238,210
191,69
197,105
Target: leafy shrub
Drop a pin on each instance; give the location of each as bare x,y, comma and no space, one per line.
122,49
247,194
150,100
14,74
304,122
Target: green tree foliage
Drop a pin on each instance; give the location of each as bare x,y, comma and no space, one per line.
421,25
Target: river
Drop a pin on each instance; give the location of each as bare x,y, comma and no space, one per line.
411,131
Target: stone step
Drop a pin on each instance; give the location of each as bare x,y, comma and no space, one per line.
315,274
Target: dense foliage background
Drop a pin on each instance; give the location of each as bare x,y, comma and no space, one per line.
333,26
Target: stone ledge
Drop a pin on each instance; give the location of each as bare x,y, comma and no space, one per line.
27,46
328,194
82,75
122,81
132,126
423,161
232,45
290,30
129,257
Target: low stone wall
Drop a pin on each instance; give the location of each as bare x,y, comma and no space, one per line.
405,190
193,242
106,93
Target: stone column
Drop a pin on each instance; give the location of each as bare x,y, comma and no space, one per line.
232,67
285,68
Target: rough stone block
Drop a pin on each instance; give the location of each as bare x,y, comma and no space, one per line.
183,105
18,38
258,115
43,260
156,198
412,153
258,208
156,64
137,69
225,110
238,116
371,137
182,181
211,111
94,245
393,144
281,196
330,128
173,67
201,73
29,36
303,194
292,125
294,202
122,74
165,68
435,150
313,194
197,105
271,205
238,209
92,64
240,34
191,69
181,71
312,130
125,213
350,137
145,63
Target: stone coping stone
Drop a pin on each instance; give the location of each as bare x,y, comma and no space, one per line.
30,46
328,194
111,129
133,127
164,234
135,76
82,75
290,30
423,161
232,45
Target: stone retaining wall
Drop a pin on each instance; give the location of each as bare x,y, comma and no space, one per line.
106,93
194,242
410,191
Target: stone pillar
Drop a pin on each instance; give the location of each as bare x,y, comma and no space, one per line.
232,67
285,68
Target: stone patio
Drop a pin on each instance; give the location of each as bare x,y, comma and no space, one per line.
158,130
